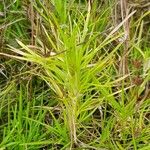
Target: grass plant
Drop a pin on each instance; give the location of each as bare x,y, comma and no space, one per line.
61,86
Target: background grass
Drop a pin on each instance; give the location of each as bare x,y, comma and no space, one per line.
61,80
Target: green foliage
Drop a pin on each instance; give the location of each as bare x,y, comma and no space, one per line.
67,92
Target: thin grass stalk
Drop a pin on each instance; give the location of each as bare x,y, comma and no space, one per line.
124,13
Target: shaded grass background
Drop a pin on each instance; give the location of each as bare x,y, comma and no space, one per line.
63,89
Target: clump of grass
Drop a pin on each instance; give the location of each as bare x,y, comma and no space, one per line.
78,98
